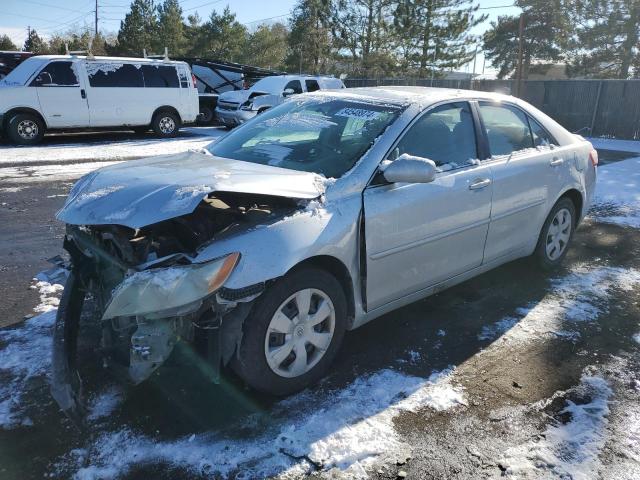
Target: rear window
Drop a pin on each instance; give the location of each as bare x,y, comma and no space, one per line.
160,76
114,75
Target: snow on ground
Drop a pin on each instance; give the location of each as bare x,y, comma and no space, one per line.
25,354
617,198
571,449
346,429
96,151
615,144
580,296
46,173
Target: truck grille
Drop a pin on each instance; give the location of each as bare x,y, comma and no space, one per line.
227,105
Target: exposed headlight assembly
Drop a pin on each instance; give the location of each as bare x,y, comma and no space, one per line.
165,292
248,105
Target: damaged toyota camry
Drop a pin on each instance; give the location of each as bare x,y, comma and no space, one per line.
313,218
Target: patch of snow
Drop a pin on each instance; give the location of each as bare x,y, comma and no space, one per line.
441,333
636,338
184,196
490,332
346,430
571,449
617,196
25,353
104,404
615,144
85,197
580,296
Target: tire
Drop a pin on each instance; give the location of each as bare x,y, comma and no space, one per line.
165,124
206,116
251,362
25,129
552,247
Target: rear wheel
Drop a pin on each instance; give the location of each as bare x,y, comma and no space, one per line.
25,129
556,234
293,333
206,115
166,124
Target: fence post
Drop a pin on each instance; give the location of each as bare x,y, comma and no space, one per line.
595,109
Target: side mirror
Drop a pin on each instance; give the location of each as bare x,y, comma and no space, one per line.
288,92
409,169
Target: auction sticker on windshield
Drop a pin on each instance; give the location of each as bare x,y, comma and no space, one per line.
360,113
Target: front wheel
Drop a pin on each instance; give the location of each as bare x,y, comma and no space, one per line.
165,124
25,129
556,235
293,332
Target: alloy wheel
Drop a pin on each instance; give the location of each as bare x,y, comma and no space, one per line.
167,125
28,129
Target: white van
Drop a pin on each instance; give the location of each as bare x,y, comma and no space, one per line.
66,91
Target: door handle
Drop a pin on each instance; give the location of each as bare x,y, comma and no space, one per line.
480,183
556,161
83,94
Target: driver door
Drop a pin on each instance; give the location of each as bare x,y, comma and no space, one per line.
63,100
420,234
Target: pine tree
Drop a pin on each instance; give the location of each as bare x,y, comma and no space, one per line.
34,43
544,37
606,38
7,44
267,46
310,42
435,34
171,29
139,29
222,36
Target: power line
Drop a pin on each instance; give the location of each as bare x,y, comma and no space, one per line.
50,5
265,19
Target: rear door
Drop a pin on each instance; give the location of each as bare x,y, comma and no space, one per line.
418,235
520,175
61,95
116,94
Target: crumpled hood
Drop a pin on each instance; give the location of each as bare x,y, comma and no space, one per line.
236,96
143,192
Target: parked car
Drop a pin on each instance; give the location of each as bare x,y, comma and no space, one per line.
215,77
237,107
320,215
10,60
52,92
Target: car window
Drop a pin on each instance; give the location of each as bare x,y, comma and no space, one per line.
114,75
312,85
294,85
540,136
507,128
56,74
160,76
445,135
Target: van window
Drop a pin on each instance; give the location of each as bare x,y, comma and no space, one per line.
114,75
312,85
160,76
507,128
294,85
56,74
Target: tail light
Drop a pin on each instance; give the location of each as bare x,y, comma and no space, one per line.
593,156
195,83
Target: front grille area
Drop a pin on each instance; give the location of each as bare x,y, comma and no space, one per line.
227,105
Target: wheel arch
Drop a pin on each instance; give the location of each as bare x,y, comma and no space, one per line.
341,273
577,199
166,108
15,110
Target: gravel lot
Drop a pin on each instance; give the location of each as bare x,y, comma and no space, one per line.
513,373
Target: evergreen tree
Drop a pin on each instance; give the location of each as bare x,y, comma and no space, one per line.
139,29
34,43
310,42
267,46
544,37
435,33
606,37
222,37
171,29
7,44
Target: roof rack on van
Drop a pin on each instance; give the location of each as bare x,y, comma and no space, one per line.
86,52
165,57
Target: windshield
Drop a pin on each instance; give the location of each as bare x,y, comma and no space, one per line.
269,85
22,73
321,136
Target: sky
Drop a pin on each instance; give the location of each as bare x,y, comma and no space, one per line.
55,16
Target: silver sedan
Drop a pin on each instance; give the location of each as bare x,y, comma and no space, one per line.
312,219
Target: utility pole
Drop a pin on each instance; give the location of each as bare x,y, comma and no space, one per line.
475,57
520,44
96,18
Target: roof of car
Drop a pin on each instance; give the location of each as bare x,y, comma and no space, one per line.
106,59
403,95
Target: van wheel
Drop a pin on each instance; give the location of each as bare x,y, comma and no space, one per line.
25,129
556,235
293,332
166,124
